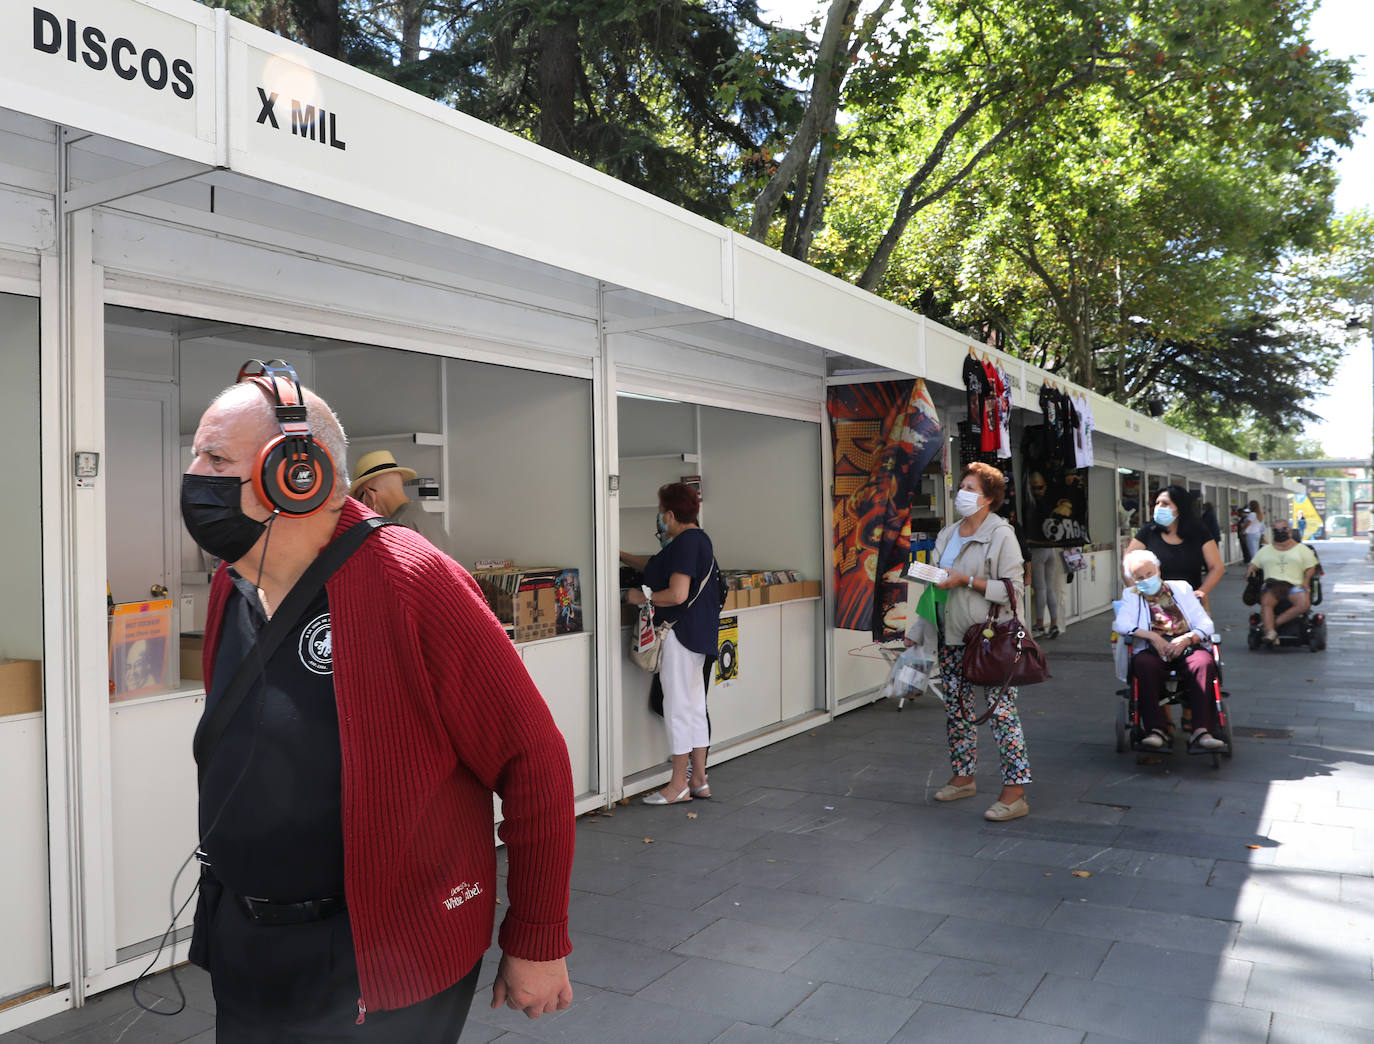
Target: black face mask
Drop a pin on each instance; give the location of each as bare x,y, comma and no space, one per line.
1282,536
211,509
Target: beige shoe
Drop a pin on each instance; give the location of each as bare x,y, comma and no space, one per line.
949,792
1000,812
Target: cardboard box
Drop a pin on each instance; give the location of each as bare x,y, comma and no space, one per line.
811,588
732,600
21,686
782,593
537,603
191,646
755,595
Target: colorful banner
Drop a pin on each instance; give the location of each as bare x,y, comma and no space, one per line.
884,434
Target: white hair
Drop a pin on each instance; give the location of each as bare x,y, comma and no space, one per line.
325,427
1133,560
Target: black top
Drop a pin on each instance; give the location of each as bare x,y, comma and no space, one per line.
690,553
275,780
978,388
1176,561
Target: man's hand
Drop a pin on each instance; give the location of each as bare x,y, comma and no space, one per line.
534,987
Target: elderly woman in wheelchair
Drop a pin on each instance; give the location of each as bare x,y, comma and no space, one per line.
1172,657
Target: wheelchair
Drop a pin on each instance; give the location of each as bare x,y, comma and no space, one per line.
1307,629
1130,729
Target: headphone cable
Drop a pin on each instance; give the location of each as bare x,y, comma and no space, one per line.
199,849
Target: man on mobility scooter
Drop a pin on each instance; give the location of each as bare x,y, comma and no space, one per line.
1170,656
1290,574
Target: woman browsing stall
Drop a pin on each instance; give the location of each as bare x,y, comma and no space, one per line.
675,577
979,552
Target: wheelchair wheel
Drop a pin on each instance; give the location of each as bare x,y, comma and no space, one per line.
1252,640
1316,637
1226,736
1122,728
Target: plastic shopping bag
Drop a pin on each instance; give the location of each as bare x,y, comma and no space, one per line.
909,676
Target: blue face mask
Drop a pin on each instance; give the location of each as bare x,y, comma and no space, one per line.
1163,516
1149,586
661,531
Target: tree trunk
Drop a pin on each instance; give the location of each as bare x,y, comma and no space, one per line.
820,109
559,65
815,203
412,25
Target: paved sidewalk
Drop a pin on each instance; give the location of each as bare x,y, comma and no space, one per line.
822,895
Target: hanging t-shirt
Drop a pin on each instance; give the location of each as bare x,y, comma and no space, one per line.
1003,413
992,409
1068,421
1049,406
1086,409
977,388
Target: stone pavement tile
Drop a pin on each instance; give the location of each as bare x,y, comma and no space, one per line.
842,1013
834,825
109,1015
1220,904
752,945
680,858
1199,844
759,869
775,906
678,891
876,923
711,829
613,964
1182,931
609,1018
622,918
1121,1011
1358,890
973,901
1031,949
978,986
1327,860
742,994
1149,865
744,1033
1243,825
938,1022
866,966
853,855
1039,826
1162,972
1325,915
1058,882
1289,1029
1302,951
194,982
1314,884
909,864
480,1033
1323,992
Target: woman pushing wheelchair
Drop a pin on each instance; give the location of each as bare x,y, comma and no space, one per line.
1167,627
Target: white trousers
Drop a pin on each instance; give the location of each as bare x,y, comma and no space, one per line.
1047,579
684,697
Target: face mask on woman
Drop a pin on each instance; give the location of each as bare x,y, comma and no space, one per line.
966,502
1149,586
661,530
1163,516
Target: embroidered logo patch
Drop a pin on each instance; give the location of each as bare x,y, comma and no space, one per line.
317,646
461,894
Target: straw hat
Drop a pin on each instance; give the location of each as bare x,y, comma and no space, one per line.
377,462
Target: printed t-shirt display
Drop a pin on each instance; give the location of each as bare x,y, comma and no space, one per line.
978,389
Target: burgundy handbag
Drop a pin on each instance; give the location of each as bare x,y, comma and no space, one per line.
1002,653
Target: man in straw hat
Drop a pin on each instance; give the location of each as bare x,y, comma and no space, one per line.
379,482
348,876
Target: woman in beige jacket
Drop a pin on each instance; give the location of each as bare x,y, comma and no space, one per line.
979,552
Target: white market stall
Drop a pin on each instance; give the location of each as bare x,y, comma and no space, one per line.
546,343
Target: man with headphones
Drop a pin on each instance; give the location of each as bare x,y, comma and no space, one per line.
349,752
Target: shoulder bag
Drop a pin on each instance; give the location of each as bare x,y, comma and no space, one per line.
1002,652
646,650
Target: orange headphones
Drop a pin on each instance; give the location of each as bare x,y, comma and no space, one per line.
293,472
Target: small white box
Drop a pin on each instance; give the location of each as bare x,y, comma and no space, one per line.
927,573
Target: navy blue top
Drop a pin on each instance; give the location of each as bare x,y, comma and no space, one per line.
690,553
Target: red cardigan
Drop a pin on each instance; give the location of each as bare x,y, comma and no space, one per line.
436,712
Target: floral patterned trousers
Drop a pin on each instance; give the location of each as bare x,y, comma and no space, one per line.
963,734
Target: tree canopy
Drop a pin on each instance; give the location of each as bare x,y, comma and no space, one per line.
1135,194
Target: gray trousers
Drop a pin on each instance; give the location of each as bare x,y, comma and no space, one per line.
1047,580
